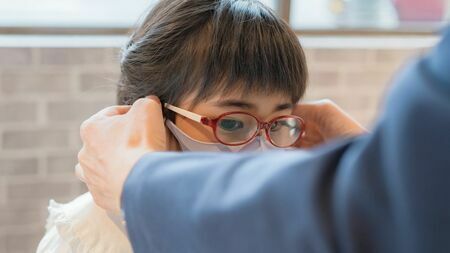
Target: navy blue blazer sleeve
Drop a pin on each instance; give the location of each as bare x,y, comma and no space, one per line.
384,192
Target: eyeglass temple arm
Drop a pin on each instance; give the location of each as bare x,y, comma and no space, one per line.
187,114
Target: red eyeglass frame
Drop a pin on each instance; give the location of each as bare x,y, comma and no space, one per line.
261,124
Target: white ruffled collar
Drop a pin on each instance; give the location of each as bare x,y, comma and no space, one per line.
85,227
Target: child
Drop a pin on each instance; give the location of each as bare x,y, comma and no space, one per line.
229,73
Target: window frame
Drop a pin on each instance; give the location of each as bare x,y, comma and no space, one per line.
282,7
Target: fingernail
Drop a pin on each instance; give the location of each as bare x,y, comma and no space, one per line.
155,98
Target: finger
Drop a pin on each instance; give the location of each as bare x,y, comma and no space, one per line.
84,174
88,165
310,110
324,101
106,112
145,103
97,196
79,173
306,145
118,110
147,108
109,111
113,111
146,118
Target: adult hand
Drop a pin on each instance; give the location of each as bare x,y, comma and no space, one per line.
113,141
324,121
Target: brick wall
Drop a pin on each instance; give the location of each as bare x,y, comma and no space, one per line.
45,93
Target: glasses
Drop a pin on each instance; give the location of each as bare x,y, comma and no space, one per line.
238,128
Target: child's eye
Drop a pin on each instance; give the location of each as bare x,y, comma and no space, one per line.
231,124
275,126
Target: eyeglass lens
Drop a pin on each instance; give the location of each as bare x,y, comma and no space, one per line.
285,131
238,128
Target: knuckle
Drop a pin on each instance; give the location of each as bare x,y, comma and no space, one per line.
88,177
85,128
141,101
328,104
80,155
109,110
146,103
88,180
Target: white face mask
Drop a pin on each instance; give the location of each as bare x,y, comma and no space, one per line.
188,144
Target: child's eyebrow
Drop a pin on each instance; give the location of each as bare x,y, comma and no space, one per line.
247,105
282,107
235,103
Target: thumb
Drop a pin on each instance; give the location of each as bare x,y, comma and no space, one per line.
147,115
307,111
148,107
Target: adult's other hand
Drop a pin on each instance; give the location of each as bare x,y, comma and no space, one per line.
324,121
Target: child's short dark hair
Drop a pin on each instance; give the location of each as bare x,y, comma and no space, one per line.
203,47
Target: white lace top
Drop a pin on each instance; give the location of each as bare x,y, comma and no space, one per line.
80,226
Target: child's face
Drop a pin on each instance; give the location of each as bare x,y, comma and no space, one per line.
264,107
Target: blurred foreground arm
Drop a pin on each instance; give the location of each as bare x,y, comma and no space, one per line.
382,192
